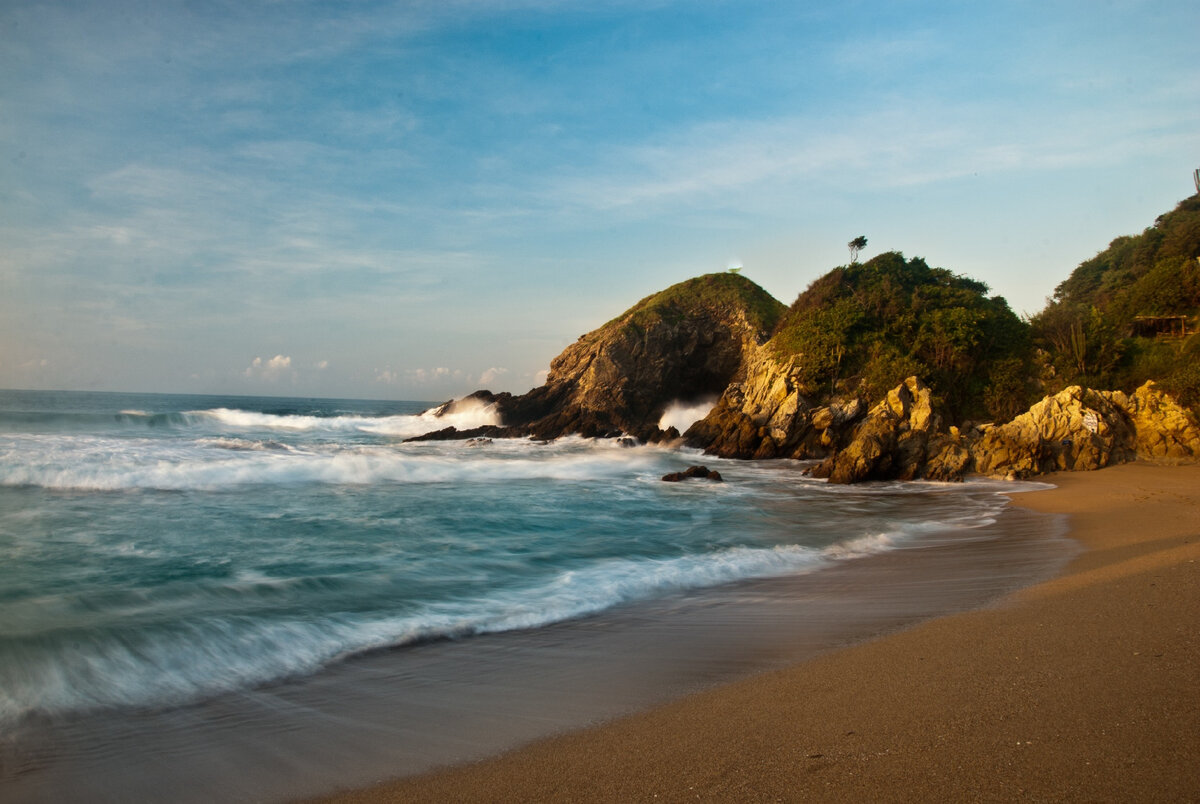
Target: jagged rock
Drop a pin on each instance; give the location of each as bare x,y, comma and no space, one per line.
891,442
762,416
1165,431
693,472
689,341
709,335
1082,429
1076,429
947,457
766,415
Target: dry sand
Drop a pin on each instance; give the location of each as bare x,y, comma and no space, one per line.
1084,688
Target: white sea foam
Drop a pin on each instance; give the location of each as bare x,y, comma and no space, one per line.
196,659
102,464
682,415
466,416
861,546
125,667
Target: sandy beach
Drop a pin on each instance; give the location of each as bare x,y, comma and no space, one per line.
1082,688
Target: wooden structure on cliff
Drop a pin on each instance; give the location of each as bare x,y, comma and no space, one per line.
1160,326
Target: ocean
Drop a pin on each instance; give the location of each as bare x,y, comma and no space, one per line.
202,596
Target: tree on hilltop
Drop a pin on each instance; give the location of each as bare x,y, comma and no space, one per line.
856,245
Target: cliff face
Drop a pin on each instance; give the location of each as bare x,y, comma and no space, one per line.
767,415
691,340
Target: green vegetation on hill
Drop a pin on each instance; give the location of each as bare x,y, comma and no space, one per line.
724,294
863,328
1094,330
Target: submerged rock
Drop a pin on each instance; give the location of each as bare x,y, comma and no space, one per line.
694,472
486,432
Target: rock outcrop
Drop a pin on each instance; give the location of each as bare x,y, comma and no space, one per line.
900,439
760,416
709,336
1165,431
691,340
1076,429
766,415
1082,429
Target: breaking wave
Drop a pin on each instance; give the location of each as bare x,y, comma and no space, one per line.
682,415
170,664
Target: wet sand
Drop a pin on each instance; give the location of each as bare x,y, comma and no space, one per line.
1085,687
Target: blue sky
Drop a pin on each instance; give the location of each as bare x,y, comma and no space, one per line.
413,200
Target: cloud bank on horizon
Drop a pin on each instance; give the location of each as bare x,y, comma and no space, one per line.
411,200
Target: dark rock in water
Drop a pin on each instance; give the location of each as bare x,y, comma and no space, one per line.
694,472
478,442
487,431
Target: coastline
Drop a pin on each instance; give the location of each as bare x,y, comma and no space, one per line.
1082,687
405,711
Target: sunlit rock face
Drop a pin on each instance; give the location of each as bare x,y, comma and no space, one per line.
688,342
1082,429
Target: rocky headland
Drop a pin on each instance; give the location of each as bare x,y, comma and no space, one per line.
689,341
891,369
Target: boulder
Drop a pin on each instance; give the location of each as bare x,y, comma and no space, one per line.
1165,431
947,457
694,472
1075,429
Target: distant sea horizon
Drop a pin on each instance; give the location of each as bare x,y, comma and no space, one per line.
170,562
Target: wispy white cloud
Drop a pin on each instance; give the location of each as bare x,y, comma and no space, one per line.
271,369
901,144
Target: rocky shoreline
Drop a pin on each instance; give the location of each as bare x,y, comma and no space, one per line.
709,336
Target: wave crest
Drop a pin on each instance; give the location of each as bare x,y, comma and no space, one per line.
682,415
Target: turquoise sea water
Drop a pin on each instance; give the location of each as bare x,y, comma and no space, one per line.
158,551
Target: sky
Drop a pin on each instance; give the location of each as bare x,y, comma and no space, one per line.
413,200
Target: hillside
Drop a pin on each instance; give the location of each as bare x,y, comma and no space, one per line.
862,328
1111,322
796,382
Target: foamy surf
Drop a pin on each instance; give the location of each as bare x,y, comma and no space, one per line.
227,547
464,417
136,661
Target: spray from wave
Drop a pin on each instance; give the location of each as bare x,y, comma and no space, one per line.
682,415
